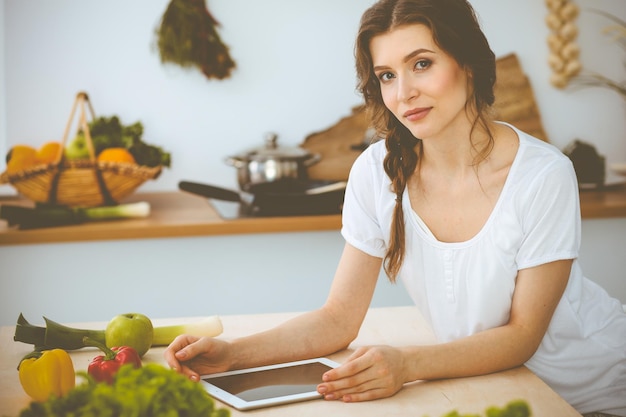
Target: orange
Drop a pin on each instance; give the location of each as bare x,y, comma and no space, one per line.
116,155
21,157
48,152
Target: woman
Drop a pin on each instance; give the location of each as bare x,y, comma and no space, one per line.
479,220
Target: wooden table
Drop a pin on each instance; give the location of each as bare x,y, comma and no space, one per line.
433,399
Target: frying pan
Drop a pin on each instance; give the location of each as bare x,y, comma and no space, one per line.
272,199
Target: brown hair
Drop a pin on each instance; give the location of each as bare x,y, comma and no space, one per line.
455,30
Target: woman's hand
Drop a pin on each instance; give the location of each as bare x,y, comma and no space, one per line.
369,373
194,356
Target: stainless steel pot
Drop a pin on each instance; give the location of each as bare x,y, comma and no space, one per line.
272,163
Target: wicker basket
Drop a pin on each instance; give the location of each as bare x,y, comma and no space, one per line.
83,183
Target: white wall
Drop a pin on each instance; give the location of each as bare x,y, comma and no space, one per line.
602,254
174,277
3,112
295,76
216,275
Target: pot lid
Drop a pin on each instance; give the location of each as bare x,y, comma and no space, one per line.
271,150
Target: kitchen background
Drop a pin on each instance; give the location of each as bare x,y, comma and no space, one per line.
294,76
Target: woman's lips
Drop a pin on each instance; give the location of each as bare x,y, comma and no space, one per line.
414,115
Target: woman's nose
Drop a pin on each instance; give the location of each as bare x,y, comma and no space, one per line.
406,89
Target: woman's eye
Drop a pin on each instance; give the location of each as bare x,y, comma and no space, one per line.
423,64
385,76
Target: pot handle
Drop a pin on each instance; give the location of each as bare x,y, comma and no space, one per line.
237,163
314,159
210,191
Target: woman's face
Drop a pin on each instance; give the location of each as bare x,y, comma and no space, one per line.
421,85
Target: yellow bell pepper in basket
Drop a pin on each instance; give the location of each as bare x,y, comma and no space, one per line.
46,373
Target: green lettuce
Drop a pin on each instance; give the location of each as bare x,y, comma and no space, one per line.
152,390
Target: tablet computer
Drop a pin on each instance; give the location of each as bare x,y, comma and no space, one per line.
266,386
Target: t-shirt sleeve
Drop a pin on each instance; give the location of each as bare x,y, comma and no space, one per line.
360,221
551,216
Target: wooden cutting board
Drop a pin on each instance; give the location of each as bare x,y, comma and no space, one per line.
515,99
340,144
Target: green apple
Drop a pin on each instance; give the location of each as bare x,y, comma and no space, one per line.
130,329
77,148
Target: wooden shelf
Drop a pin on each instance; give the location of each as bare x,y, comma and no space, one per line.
607,203
180,214
173,214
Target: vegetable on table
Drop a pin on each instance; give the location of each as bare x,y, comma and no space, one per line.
56,335
516,408
47,373
131,329
51,216
209,326
152,390
103,368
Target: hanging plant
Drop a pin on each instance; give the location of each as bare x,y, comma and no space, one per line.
589,78
187,36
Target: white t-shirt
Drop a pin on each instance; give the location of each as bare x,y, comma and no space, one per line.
463,288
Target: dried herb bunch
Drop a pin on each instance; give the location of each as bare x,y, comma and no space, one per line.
188,36
589,78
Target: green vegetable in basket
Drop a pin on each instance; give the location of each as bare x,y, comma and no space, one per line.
152,390
109,132
149,155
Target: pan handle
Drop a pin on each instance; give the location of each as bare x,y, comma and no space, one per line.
209,191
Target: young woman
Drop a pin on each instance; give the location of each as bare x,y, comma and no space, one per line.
480,222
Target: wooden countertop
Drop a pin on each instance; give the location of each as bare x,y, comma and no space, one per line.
180,214
434,398
607,203
173,214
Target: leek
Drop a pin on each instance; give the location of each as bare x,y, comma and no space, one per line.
56,335
121,211
50,216
209,326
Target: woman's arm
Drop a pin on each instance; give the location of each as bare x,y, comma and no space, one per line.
380,371
323,331
537,294
316,333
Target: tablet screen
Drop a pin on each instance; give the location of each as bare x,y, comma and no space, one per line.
269,385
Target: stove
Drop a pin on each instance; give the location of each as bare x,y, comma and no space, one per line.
314,199
230,210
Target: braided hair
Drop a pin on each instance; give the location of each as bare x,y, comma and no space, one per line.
455,30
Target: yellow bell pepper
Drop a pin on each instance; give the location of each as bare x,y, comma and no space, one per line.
45,373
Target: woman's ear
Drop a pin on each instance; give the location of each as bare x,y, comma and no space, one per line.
471,105
471,91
